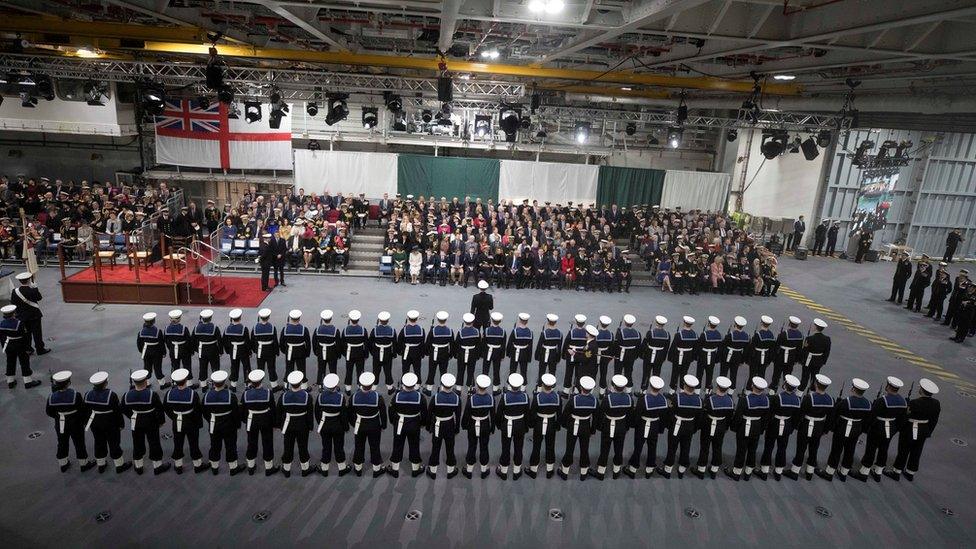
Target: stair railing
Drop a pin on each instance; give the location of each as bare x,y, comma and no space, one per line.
196,255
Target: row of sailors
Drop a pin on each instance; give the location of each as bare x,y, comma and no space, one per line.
469,344
297,412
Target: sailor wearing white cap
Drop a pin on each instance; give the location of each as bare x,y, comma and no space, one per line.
481,305
709,343
787,351
785,414
379,344
264,342
684,422
408,414
467,344
544,417
923,415
761,351
411,343
578,419
67,408
654,350
494,339
182,404
207,344
179,342
815,408
295,411
15,342
326,345
237,344
921,280
850,415
614,420
369,410
478,420
105,423
332,424
25,297
604,347
221,411
683,349
888,413
628,348
520,345
734,350
750,420
717,414
513,407
260,418
575,341
445,421
649,421
151,349
440,340
547,349
145,411
816,351
354,340
295,342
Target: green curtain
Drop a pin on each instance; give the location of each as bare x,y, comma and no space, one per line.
627,186
448,177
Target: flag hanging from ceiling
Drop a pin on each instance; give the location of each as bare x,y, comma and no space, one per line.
189,135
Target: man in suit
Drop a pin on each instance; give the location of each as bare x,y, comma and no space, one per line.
266,258
481,305
386,208
799,227
279,248
952,241
820,237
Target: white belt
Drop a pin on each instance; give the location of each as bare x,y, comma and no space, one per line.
325,346
574,348
749,420
62,416
359,419
477,425
545,422
179,420
714,426
613,423
545,356
200,347
518,350
261,345
142,354
214,416
782,424
915,424
786,353
134,419
325,415
288,416
233,352
437,347
382,349
407,347
291,346
437,423
576,421
850,425
677,423
647,425
887,425
762,357
511,421
401,421
681,354
811,355
654,351
467,350
92,417
623,351
709,352
349,347
728,356
491,351
176,348
811,421
250,415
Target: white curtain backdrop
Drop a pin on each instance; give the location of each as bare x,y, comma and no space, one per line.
695,190
350,173
547,182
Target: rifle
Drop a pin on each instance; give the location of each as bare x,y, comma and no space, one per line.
844,386
910,389
880,387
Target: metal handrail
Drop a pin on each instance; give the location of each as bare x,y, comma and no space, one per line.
186,274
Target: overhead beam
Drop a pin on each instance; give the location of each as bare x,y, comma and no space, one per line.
877,38
449,17
719,16
301,22
761,20
921,37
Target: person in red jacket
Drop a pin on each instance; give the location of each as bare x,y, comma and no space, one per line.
567,269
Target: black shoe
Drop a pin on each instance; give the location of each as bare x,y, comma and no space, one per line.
530,473
699,474
269,472
250,471
859,476
732,475
466,473
892,475
909,476
162,469
516,474
777,476
681,474
178,469
809,476
286,472
305,472
563,475
102,468
124,467
31,384
499,474
200,468
452,474
344,472
240,469
215,470
395,473
791,475
599,476
660,471
43,352
615,475
824,475
760,475
485,474
11,384
876,476
842,478
629,473
139,470
713,474
549,474
87,466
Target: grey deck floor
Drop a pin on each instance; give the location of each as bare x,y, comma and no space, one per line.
42,507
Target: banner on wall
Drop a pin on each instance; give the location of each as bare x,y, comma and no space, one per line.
349,173
548,182
873,202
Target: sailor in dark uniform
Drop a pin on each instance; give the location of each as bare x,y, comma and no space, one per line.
295,343
495,346
259,414
145,410
445,421
749,423
520,346
923,416
650,419
579,416
709,354
850,416
481,305
295,421
734,350
716,419
762,349
15,342
151,348
411,344
206,341
575,341
264,342
784,409
816,351
613,421
682,352
182,405
237,344
25,297
477,420
326,346
605,345
408,415
440,340
221,411
467,349
654,351
330,410
787,351
367,417
816,408
67,407
511,419
628,346
684,420
178,342
544,418
888,415
547,350
105,423
380,346
354,339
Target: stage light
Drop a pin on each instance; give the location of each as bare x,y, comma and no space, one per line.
338,110
93,94
774,142
370,117
312,108
731,135
225,95
233,111
555,6
823,139
399,121
525,123
203,102
795,145
537,6
653,141
27,100
631,128
809,147
784,77
153,100
426,115
490,54
274,118
252,111
275,96
482,125
393,102
88,53
582,132
45,88
509,120
674,137
903,149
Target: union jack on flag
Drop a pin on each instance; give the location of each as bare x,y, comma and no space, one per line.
189,116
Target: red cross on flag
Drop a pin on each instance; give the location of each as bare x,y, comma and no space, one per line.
188,135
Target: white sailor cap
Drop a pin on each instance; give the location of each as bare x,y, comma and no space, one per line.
413,314
256,376
355,315
176,314
326,314
9,309
586,383
330,381
605,320
688,319
895,382
483,381
630,320
548,380
661,319
591,329
552,317
442,316
515,380
235,314
409,379
367,379
619,381
482,284
794,321
928,386
760,383
723,382
860,384
497,317
409,197
182,374
690,380
24,276
820,323
220,376
296,378
766,320
264,313
206,313
137,376
98,378
448,380
740,321
964,271
383,316
714,321
294,314
792,380
148,317
65,375
524,317
657,382
580,319
467,318
943,264
823,380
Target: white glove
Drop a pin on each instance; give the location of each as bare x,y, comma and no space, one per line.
256,261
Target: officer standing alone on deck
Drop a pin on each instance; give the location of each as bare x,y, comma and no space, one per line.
650,419
259,414
408,415
15,341
182,405
105,423
717,410
478,421
145,411
26,297
544,418
923,416
67,408
482,304
330,411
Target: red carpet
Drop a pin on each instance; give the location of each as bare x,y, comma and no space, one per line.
227,291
